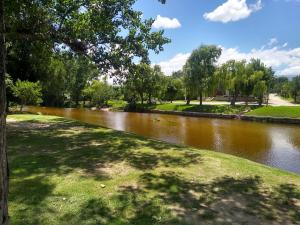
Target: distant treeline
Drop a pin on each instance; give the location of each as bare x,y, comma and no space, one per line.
67,80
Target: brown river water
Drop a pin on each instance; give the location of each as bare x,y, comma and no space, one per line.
276,145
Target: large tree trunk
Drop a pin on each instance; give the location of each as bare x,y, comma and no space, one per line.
233,98
188,100
201,102
3,154
142,98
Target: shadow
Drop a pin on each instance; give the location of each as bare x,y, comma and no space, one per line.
27,196
226,109
159,196
65,146
170,199
226,199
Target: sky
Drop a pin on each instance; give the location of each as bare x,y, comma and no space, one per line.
244,29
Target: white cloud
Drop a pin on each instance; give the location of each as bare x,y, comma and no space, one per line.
283,61
233,10
165,23
174,64
272,41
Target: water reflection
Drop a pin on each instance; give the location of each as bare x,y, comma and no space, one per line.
271,144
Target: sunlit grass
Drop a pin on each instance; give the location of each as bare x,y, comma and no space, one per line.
66,172
278,111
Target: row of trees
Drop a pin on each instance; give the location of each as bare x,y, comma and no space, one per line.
237,78
74,80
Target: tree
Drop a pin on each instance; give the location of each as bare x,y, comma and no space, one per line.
93,28
99,93
153,85
140,81
232,73
259,91
79,71
3,153
27,92
174,88
256,65
201,66
278,85
295,88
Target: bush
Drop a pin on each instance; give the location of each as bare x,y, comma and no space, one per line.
27,92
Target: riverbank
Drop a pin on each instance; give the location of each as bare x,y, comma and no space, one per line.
292,112
74,173
270,114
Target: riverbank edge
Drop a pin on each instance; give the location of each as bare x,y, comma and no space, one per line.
265,119
34,118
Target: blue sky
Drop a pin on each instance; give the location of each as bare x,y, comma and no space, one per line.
266,29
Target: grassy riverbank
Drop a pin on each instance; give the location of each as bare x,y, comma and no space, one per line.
182,107
224,109
66,172
278,111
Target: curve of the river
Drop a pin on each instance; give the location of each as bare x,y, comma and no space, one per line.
276,145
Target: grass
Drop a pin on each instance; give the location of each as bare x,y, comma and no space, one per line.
117,104
225,109
66,172
278,111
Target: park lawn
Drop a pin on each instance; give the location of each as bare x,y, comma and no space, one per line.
222,109
66,172
277,111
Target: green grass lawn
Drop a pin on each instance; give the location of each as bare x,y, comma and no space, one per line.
117,104
278,111
66,172
225,109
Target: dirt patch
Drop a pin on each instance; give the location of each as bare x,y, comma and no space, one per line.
114,169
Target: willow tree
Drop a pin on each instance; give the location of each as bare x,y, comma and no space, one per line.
232,73
108,32
201,66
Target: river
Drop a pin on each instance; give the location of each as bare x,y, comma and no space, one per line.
276,145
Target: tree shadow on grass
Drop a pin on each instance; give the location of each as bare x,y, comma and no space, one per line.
28,196
226,199
62,147
170,199
158,198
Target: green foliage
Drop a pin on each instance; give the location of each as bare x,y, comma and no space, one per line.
244,79
259,91
295,88
174,89
99,93
143,82
112,33
8,81
200,68
27,92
